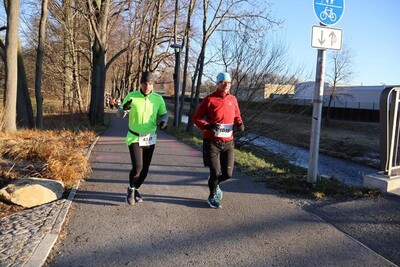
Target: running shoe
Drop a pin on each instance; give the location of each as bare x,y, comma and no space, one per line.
138,196
218,193
214,202
130,198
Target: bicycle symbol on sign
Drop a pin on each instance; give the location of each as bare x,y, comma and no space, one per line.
328,13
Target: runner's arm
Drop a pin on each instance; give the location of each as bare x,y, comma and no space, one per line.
121,113
164,118
198,116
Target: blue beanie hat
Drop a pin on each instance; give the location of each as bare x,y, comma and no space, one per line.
223,76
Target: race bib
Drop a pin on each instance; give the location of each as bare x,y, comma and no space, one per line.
224,130
147,139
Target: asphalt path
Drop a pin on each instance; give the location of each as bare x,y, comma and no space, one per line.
174,226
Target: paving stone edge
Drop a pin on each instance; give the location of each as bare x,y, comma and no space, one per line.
42,251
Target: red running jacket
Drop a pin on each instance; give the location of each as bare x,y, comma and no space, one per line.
217,107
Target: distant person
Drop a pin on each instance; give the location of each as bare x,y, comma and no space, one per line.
107,101
112,102
117,102
144,106
217,115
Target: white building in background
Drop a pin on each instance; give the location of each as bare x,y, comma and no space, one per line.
268,91
346,96
305,90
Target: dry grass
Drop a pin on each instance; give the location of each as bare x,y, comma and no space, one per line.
53,154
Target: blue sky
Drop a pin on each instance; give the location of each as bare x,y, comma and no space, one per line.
370,30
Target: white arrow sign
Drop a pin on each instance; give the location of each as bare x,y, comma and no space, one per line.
326,38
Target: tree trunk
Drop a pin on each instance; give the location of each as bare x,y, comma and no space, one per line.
189,126
77,96
24,106
68,61
186,61
39,62
96,112
99,22
25,116
195,101
10,111
73,59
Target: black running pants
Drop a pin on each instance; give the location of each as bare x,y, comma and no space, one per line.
220,158
141,159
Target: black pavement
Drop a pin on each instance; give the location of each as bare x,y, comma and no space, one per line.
174,226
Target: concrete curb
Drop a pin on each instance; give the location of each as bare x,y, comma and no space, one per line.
44,248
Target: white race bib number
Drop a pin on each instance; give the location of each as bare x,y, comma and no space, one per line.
224,130
147,139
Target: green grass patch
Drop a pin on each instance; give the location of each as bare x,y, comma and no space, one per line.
181,134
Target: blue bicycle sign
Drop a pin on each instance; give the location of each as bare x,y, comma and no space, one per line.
329,12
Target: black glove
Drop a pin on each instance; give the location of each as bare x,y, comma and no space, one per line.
211,127
127,105
163,125
240,127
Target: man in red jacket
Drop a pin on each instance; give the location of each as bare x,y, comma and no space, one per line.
217,115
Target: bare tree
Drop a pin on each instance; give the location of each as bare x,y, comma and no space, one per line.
341,71
70,57
101,17
24,112
25,116
39,62
68,38
215,14
186,41
13,8
98,16
143,30
263,76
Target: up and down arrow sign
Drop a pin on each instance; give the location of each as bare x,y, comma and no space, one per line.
326,38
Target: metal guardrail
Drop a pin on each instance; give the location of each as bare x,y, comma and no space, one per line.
389,136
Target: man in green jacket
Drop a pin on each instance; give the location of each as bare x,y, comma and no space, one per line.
144,107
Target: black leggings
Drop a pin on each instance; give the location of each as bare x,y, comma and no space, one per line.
141,159
220,158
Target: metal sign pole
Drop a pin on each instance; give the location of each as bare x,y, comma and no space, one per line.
177,75
316,117
177,83
328,13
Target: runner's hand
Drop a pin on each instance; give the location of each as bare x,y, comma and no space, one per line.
163,125
211,127
240,127
127,105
